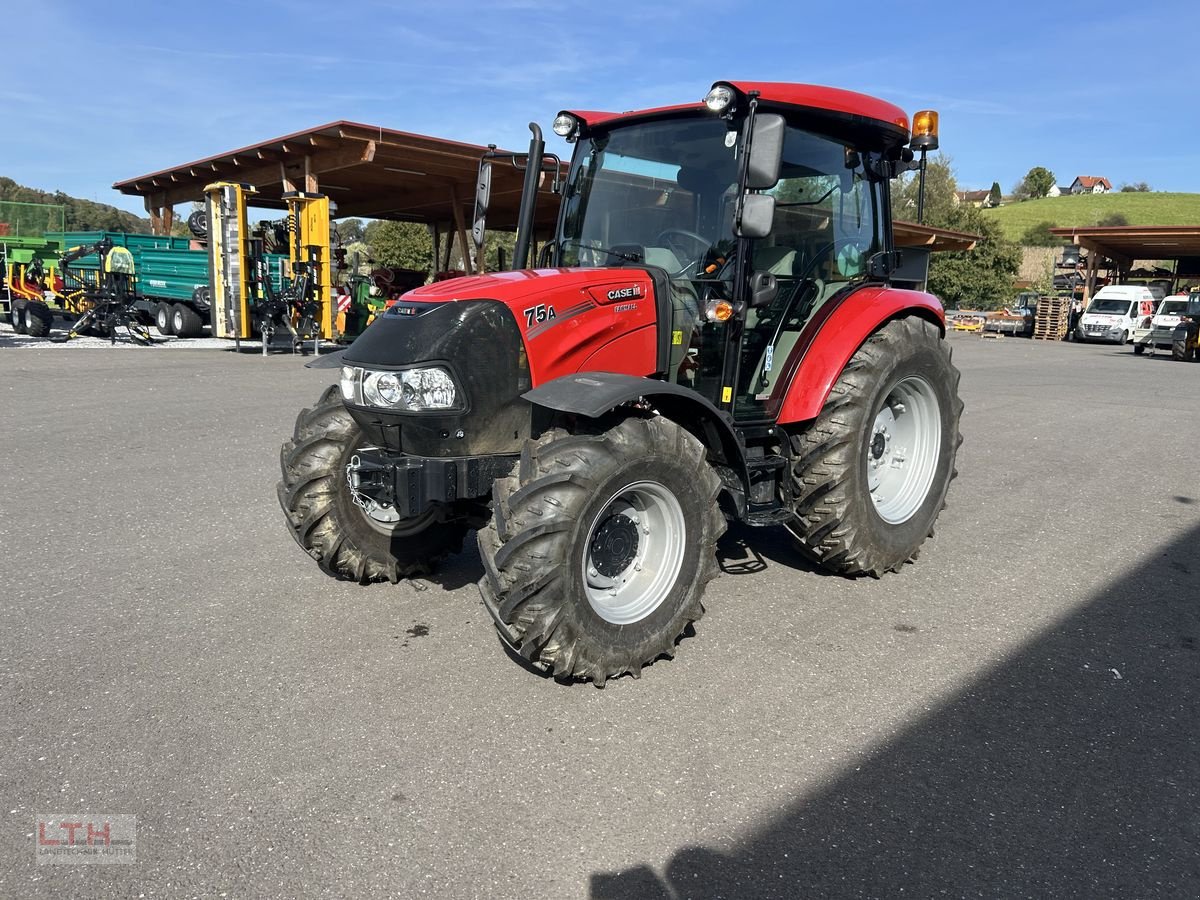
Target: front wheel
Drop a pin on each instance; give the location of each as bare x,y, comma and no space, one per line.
870,474
600,547
349,541
1139,349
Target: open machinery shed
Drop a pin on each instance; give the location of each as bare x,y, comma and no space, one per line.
370,172
373,172
1126,244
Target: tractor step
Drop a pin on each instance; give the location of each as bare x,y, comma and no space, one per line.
766,517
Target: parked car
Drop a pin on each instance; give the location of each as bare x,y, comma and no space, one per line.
1161,329
1114,313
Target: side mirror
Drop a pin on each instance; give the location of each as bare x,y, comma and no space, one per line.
483,193
757,215
764,288
766,152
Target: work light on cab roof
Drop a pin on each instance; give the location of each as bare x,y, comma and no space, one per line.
565,125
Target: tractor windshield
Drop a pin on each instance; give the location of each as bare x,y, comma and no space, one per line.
664,193
654,192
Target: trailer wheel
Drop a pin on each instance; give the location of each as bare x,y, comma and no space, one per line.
38,319
600,547
162,318
871,473
17,316
346,541
186,322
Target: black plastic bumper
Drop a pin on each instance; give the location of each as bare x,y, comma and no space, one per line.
414,483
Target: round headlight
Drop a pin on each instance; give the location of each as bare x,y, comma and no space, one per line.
389,388
565,124
720,98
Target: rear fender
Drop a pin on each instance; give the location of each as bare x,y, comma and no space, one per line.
841,326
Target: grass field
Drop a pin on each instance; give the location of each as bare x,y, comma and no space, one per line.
1088,209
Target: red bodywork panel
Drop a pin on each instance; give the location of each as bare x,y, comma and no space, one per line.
813,96
572,320
834,334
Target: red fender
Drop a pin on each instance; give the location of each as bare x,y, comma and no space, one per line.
833,335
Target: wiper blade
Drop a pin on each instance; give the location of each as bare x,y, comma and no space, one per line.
628,257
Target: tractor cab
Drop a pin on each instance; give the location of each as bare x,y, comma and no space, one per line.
754,232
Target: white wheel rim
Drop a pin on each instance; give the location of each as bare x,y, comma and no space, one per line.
903,448
633,553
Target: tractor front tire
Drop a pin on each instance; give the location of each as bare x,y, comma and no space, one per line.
600,547
38,319
871,473
346,541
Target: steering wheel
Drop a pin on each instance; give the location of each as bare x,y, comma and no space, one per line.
677,239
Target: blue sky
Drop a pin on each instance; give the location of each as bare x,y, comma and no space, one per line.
105,92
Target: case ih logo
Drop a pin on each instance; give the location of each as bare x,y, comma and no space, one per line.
626,293
77,839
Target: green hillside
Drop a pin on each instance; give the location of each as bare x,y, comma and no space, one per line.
81,215
1088,209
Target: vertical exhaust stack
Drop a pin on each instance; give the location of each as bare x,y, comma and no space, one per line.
533,173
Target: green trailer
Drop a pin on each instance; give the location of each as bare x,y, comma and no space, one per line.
172,278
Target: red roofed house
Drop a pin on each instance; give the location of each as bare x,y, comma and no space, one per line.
1090,184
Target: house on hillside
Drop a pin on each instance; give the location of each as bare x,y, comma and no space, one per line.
1090,184
974,198
1056,191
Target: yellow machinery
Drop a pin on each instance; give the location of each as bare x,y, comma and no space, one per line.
248,293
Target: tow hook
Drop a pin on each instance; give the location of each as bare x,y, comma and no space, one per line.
371,483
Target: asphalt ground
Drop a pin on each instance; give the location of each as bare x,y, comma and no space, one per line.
1015,715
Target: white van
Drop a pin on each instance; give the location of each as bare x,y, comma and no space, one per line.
1114,313
1161,331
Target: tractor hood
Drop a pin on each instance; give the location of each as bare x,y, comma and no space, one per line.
518,290
569,319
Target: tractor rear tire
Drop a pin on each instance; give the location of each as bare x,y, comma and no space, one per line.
1139,349
871,473
600,547
162,318
329,526
186,322
38,319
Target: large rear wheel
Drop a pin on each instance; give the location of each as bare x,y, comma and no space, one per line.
600,547
350,541
872,471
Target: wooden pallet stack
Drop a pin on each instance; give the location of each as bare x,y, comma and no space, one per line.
1052,318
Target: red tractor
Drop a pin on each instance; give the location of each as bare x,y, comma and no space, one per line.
721,329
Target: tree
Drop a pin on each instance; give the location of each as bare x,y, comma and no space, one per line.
940,188
405,245
349,231
1037,183
995,197
979,279
1139,187
1039,236
976,279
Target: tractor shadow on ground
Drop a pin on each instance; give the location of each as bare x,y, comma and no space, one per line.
1067,769
745,550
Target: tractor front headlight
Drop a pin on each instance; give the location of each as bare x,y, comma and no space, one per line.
407,390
